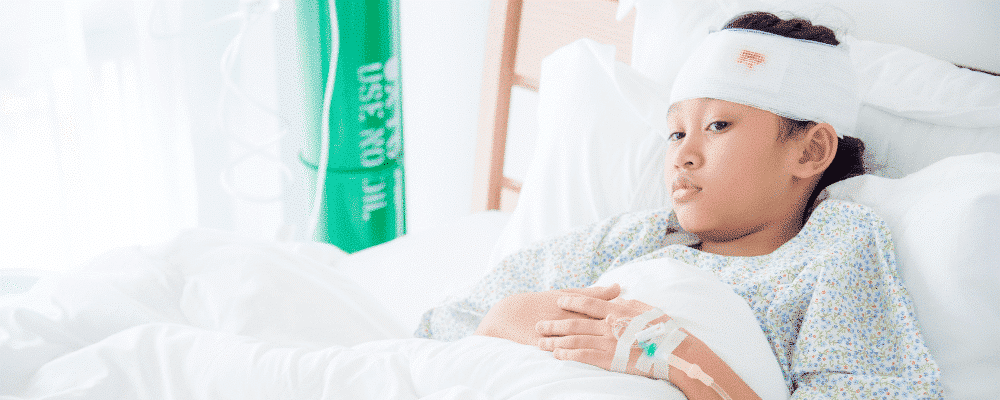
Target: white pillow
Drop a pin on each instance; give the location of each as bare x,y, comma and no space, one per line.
597,151
909,99
896,146
945,221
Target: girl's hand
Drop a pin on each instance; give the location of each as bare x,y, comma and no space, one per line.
514,318
590,339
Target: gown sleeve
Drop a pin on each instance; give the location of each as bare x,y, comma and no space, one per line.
576,259
859,337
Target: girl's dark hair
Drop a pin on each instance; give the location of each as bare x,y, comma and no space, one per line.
795,28
849,161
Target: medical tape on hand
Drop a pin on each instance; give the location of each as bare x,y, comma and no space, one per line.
668,344
661,369
666,336
657,331
663,338
627,339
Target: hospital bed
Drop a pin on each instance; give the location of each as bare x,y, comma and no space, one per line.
566,137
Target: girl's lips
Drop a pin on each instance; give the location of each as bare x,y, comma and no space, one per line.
685,194
683,189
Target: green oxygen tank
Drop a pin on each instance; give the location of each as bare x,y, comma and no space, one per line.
362,193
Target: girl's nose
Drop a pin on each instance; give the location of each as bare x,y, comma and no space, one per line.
687,153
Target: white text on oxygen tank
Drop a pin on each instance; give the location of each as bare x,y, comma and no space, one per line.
374,198
370,91
372,147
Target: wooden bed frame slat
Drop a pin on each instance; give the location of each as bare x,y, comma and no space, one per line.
520,34
494,104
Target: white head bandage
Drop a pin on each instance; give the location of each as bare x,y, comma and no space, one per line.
793,78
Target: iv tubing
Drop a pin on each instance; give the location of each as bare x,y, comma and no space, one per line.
324,147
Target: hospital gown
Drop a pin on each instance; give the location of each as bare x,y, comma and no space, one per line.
830,300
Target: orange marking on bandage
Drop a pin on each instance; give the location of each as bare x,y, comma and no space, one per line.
750,58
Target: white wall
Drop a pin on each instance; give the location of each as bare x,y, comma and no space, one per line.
443,46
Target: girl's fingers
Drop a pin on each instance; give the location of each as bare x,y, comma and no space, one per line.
589,306
577,342
597,358
568,327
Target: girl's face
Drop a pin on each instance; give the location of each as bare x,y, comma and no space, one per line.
728,174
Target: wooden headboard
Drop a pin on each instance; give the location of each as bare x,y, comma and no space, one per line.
520,34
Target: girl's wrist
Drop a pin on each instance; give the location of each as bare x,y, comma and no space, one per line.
692,350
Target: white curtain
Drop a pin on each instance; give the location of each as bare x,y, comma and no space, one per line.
124,122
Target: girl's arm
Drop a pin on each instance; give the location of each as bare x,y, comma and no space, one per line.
695,351
593,341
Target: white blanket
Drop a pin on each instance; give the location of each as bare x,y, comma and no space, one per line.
208,316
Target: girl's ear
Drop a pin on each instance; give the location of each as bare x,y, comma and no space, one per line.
818,146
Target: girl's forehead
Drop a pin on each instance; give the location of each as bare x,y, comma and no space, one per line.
694,107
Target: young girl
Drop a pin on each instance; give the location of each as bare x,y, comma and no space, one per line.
754,122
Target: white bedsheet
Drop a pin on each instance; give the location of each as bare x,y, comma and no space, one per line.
209,316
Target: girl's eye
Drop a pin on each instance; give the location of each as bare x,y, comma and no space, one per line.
718,126
673,137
